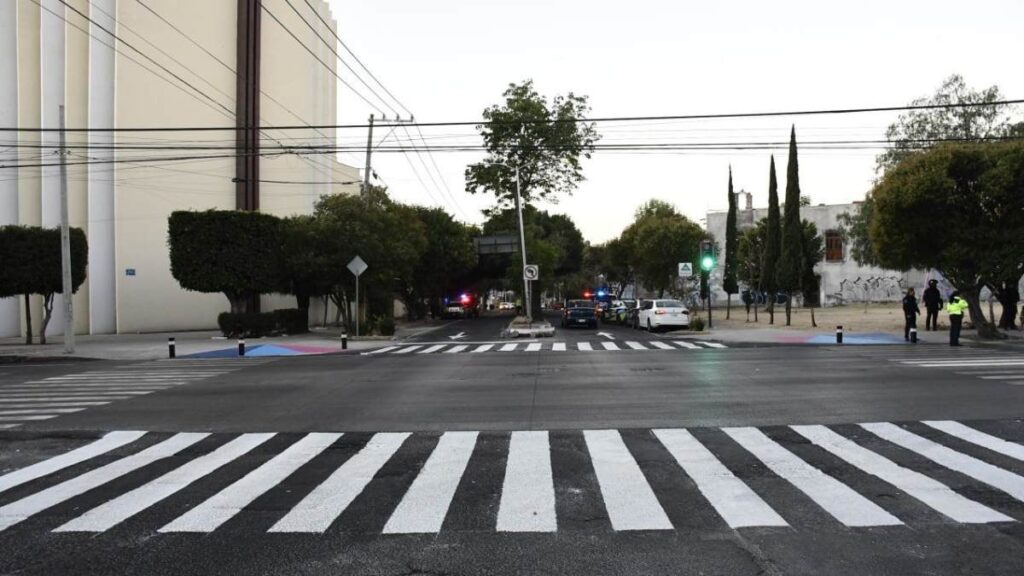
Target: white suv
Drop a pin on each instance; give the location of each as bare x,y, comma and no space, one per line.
655,314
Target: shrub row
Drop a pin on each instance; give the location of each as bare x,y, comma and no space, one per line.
257,324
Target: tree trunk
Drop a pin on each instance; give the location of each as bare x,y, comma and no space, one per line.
985,328
327,300
239,302
47,312
814,323
728,306
771,310
755,309
302,300
28,319
789,307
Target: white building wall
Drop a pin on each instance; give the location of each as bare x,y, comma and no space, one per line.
9,307
52,54
841,281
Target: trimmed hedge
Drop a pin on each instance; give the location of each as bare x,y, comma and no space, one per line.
257,324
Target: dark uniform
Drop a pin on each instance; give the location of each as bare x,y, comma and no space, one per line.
910,312
932,304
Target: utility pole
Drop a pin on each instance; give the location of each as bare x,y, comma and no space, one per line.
65,247
369,150
522,240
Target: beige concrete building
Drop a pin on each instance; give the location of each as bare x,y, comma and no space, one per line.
173,65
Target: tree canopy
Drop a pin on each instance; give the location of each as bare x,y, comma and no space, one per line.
729,276
545,139
659,238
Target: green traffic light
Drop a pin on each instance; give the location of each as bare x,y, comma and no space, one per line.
707,263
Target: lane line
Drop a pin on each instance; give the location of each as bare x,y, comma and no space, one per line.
113,512
53,405
108,398
661,345
22,509
931,492
1004,447
47,410
981,471
431,349
108,442
528,492
836,498
321,507
628,498
968,364
734,501
425,504
482,348
636,345
685,344
584,347
610,346
215,511
456,349
407,349
558,347
535,347
27,418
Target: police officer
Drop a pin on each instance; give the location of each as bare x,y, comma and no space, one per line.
910,312
932,304
955,307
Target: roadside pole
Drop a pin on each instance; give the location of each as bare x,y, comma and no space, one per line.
366,173
65,247
522,241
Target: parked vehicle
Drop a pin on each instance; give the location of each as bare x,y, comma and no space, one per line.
506,306
580,313
633,314
657,314
624,311
465,305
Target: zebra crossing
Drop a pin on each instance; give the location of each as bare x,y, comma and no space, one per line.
536,346
1007,368
874,474
38,400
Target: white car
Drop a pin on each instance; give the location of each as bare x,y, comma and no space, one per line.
657,314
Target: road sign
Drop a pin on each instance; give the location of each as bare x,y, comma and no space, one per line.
531,272
685,269
357,266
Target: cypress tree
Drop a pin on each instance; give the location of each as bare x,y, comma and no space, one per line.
790,268
729,283
772,241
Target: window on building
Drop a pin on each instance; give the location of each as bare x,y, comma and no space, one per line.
833,246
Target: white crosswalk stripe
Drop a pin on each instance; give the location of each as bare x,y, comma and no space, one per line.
981,365
583,346
533,491
40,400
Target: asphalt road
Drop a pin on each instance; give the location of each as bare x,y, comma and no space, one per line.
587,458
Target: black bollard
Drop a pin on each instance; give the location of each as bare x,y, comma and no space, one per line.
241,346
170,347
913,335
839,334
344,341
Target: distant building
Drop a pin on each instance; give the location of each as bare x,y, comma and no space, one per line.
843,280
52,54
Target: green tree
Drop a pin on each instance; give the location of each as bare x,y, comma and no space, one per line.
790,267
446,264
233,252
389,236
661,237
854,229
958,209
918,130
307,268
750,260
813,250
772,243
30,258
545,139
729,283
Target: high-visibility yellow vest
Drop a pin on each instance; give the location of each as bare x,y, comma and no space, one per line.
956,306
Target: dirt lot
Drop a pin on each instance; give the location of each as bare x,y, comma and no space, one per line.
855,318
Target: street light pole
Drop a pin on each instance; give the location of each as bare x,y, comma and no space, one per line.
522,240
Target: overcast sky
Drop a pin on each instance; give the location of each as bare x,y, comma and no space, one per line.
447,60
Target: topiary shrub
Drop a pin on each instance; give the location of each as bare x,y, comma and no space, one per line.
291,320
247,324
386,326
697,324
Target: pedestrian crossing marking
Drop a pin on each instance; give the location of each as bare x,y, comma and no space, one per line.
431,349
535,347
426,503
509,347
978,437
734,501
636,345
558,347
1008,369
528,493
407,349
527,500
629,499
456,349
610,346
661,345
39,400
933,493
584,347
317,511
984,472
483,348
685,344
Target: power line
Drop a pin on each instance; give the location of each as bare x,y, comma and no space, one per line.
719,116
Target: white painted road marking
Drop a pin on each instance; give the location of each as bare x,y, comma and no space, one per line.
973,436
105,444
734,501
528,492
432,349
426,503
630,502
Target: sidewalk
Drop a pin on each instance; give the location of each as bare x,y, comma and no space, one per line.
205,343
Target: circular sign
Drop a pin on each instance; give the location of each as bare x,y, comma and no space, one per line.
531,272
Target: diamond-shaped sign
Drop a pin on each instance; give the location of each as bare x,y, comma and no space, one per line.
357,266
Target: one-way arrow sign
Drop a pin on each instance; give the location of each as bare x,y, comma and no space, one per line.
458,336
